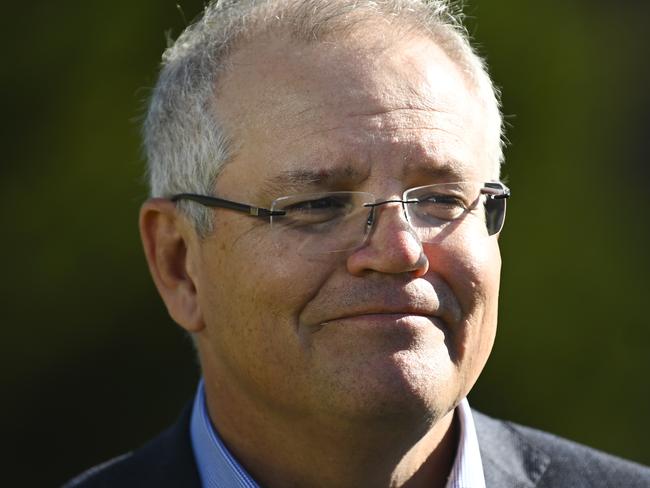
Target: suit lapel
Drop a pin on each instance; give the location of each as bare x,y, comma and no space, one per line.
170,458
509,461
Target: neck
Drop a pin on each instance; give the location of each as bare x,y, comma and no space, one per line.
306,451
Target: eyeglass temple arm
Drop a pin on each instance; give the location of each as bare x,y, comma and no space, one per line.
500,193
221,203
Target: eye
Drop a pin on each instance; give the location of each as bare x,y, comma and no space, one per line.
324,204
321,210
440,206
441,200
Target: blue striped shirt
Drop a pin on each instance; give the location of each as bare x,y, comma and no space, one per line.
219,469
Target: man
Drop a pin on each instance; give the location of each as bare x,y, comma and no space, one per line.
324,220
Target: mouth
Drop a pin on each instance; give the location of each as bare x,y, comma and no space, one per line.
387,331
389,318
416,303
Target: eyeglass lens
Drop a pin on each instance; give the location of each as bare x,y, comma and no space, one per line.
338,221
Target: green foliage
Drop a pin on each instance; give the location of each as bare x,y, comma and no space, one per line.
91,360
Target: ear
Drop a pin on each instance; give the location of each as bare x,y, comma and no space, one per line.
169,245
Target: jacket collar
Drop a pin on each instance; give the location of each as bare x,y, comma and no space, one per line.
509,460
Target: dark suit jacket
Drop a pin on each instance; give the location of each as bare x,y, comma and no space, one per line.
513,457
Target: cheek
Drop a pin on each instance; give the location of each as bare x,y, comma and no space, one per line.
471,268
483,264
253,292
251,300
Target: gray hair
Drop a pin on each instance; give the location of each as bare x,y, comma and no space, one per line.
186,144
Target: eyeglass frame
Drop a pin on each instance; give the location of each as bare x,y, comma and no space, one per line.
265,213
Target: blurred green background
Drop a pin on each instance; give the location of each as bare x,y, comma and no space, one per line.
92,365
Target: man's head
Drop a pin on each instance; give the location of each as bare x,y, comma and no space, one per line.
311,97
187,138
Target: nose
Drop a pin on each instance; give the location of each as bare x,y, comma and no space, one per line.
392,246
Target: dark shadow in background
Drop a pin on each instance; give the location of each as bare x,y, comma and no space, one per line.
92,365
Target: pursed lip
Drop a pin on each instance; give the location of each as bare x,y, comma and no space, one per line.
395,313
433,300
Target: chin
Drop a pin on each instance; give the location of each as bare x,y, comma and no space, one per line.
406,386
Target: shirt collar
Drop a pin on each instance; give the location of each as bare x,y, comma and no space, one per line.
467,471
219,469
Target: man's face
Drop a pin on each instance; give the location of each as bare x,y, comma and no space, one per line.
390,329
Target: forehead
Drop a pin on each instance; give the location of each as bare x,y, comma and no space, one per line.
367,107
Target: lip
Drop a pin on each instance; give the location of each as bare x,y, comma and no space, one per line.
415,301
386,318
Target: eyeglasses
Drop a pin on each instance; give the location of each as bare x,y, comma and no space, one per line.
326,222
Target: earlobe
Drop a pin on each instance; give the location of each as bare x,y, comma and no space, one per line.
167,239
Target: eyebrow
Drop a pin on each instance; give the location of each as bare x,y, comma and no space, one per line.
448,170
301,180
306,180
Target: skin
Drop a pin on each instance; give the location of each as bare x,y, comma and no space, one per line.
340,369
